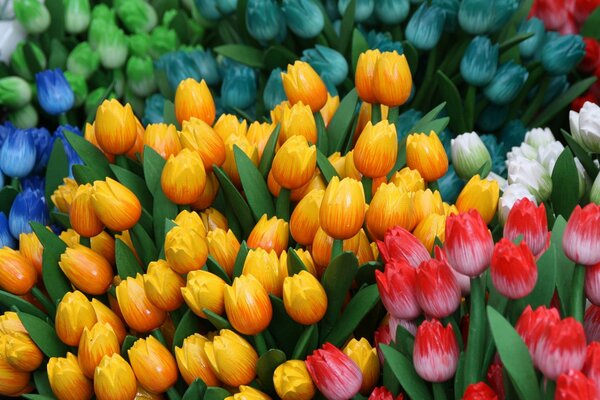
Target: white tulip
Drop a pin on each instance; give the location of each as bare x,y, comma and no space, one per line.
523,151
585,127
11,33
548,154
511,195
538,137
532,175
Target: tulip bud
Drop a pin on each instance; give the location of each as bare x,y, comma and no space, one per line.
575,385
342,209
470,156
232,359
105,315
532,175
304,221
13,382
95,343
17,274
247,305
561,54
316,183
294,163
115,205
185,249
198,136
330,108
480,61
334,373
204,290
480,195
230,165
365,73
77,15
10,322
138,311
229,125
584,127
193,362
400,245
25,117
153,364
591,366
82,60
163,286
183,178
376,149
304,18
397,287
304,298
82,215
263,19
264,266
561,347
298,120
67,380
431,227
474,16
163,139
112,47
292,381
193,99
392,12
331,66
239,87
14,91
21,352
530,46
28,206
425,202
365,356
32,15
87,270
363,9
426,154
115,127
191,220
390,207
269,234
73,315
63,195
303,85
114,379
581,238
223,247
392,80
425,27
513,269
506,84
54,93
436,352
438,292
18,154
409,180
529,221
137,16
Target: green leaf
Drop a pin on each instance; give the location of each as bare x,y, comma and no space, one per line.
515,40
322,144
55,281
57,18
58,55
269,152
454,102
278,56
38,397
43,335
235,200
127,264
366,273
546,282
61,218
306,343
404,341
216,393
282,327
359,45
195,391
9,300
153,166
240,259
215,319
213,267
7,197
255,187
404,371
247,55
189,324
565,184
562,101
127,343
347,27
591,26
412,56
357,309
341,122
265,367
169,114
163,209
564,266
49,240
294,263
427,118
134,183
337,280
84,174
515,356
90,154
60,168
400,159
42,384
325,166
582,155
143,244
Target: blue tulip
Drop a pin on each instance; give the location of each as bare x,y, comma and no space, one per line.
5,129
239,88
507,82
450,185
557,85
497,153
425,27
227,6
207,66
503,11
512,134
72,156
328,63
383,42
392,12
492,117
209,9
274,94
476,16
54,92
177,66
331,7
29,205
263,19
282,33
18,154
530,46
406,121
303,17
43,147
480,61
363,11
33,182
6,239
450,8
561,55
154,109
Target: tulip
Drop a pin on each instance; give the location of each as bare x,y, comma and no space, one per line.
392,80
330,108
592,323
163,286
105,315
223,246
532,324
469,243
480,195
82,60
87,270
474,17
259,134
365,357
204,290
427,155
530,221
54,92
398,289
17,274
10,323
193,99
239,87
247,305
18,154
390,207
513,269
229,125
506,84
591,366
231,358
585,127
304,18
153,364
183,178
409,180
14,92
530,46
425,26
316,183
13,382
328,63
32,15
191,220
334,373
213,219
115,127
82,216
426,202
376,150
479,63
343,208
67,380
112,47
140,76
198,136
437,290
470,156
273,93
400,245
304,221
303,85
63,195
559,55
431,227
73,315
264,266
479,391
561,347
193,362
163,139
269,234
77,15
292,381
392,12
28,206
230,164
138,311
532,175
435,355
185,249
365,74
573,385
6,239
114,379
263,19
21,352
304,298
95,343
294,163
581,239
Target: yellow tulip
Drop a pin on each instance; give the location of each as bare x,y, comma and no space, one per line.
204,290
259,134
138,311
426,202
105,315
481,195
269,234
231,358
292,381
163,139
198,136
230,165
163,286
87,270
392,80
248,393
389,207
17,274
230,125
192,220
365,356
13,382
304,298
63,195
193,362
213,219
183,178
302,84
295,162
264,266
342,210
430,227
116,206
153,364
298,120
114,379
223,247
304,221
67,380
376,149
115,127
247,305
426,154
82,216
95,343
21,352
193,99
365,72
185,249
409,180
73,314
329,109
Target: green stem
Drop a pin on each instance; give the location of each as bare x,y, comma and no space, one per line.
172,394
48,305
393,114
337,248
577,297
261,345
550,389
375,113
489,348
282,207
368,187
85,241
475,342
439,392
159,335
63,120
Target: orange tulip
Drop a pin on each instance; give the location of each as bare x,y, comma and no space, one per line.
87,270
138,311
302,84
153,364
247,305
198,136
115,127
269,234
17,275
193,99
82,216
183,177
115,205
163,139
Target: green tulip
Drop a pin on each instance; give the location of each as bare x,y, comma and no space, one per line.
105,13
140,76
20,64
25,117
137,15
80,88
33,15
139,44
163,41
83,60
112,47
15,92
77,15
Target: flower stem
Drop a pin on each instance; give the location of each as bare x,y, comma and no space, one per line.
41,297
282,207
368,187
577,297
550,388
261,345
337,248
62,119
375,113
475,342
439,392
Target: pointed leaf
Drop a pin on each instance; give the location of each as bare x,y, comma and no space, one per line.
43,335
564,266
404,371
340,124
265,367
195,391
240,259
255,187
42,384
294,263
269,152
9,300
55,281
84,174
546,282
189,324
347,27
213,267
307,343
454,102
582,155
427,118
325,166
163,209
336,281
127,343
247,55
235,200
562,101
127,264
282,327
143,244
90,154
153,166
49,240
216,393
215,319
60,168
565,184
134,183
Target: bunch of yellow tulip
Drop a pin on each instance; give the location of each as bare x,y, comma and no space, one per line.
164,235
